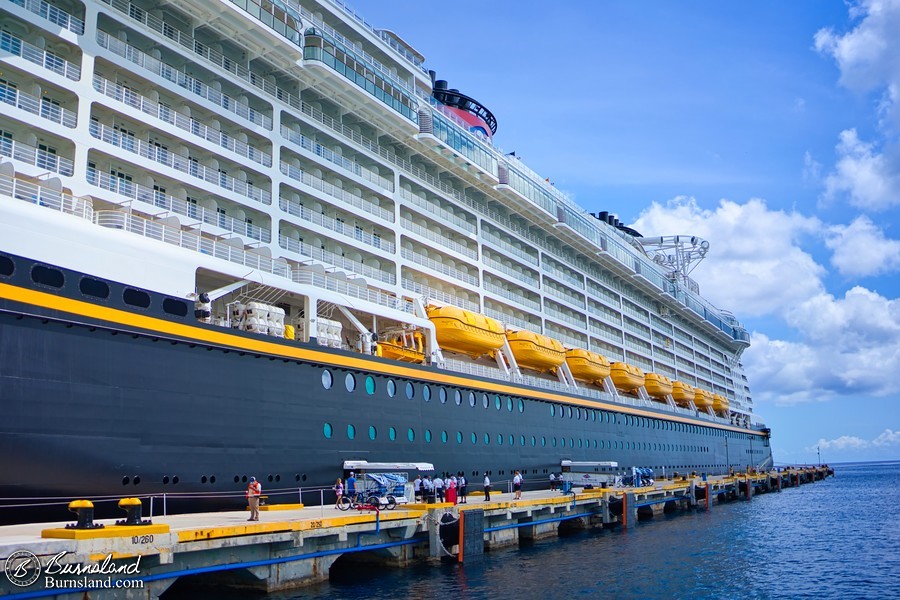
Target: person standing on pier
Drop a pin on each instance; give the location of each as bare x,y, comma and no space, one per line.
338,492
351,486
463,488
487,487
439,488
517,486
254,490
552,482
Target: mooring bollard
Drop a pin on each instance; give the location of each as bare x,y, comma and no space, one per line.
85,511
132,508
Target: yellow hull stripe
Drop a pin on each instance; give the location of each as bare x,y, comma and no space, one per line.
221,338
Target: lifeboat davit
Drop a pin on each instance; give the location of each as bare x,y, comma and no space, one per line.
406,347
682,393
626,378
535,351
466,332
657,386
587,366
720,403
703,399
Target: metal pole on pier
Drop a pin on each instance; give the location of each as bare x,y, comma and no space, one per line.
819,452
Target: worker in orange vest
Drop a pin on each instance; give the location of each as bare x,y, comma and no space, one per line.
253,492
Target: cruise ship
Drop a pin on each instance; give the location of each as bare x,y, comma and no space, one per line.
260,238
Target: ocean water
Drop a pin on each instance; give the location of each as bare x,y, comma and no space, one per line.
838,538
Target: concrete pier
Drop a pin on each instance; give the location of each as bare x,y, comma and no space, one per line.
296,547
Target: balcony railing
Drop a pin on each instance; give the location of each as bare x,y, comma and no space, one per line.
185,123
336,260
509,248
54,14
37,106
191,240
441,239
321,151
436,210
429,293
439,267
42,159
178,162
134,191
516,298
332,224
298,174
181,79
507,319
525,277
345,288
53,62
43,196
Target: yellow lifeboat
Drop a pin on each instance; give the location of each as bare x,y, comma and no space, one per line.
720,403
682,393
702,399
657,386
587,366
407,346
626,378
535,351
465,332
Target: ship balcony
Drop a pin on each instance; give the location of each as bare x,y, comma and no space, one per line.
567,339
508,319
563,274
169,116
433,209
190,240
56,15
341,286
439,267
526,276
565,317
182,80
179,163
429,294
550,289
320,185
637,328
43,157
42,107
443,238
614,337
508,247
160,200
317,150
18,52
18,189
338,226
336,260
506,292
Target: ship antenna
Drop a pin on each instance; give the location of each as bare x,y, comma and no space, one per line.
678,254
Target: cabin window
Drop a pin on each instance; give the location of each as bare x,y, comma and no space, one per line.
7,266
428,436
410,434
327,431
459,437
391,388
392,434
442,394
136,298
373,433
47,276
444,437
327,379
350,383
370,385
426,393
497,403
521,406
410,391
175,307
351,432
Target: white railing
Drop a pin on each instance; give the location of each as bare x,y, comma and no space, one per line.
565,317
441,239
439,267
517,298
170,73
55,15
564,296
47,197
429,293
436,210
298,174
134,191
189,239
183,122
178,162
37,106
336,260
53,62
341,286
42,159
523,276
298,210
609,336
321,151
511,320
564,275
498,242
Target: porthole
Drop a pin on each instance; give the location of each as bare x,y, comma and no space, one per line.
428,436
570,412
499,439
457,395
533,441
136,298
579,442
484,400
175,307
577,414
472,399
327,430
553,441
392,434
373,433
327,379
46,276
543,440
426,393
351,432
498,404
444,437
474,438
166,479
370,385
552,410
509,404
521,406
487,439
410,434
410,391
442,394
391,388
350,382
459,437
204,479
94,288
7,266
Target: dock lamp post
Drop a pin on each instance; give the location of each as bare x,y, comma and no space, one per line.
727,462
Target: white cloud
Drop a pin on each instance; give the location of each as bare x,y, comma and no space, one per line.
812,170
870,179
851,442
753,252
861,249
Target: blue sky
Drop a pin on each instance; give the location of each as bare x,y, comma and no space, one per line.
769,128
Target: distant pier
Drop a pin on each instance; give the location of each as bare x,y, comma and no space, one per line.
292,546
